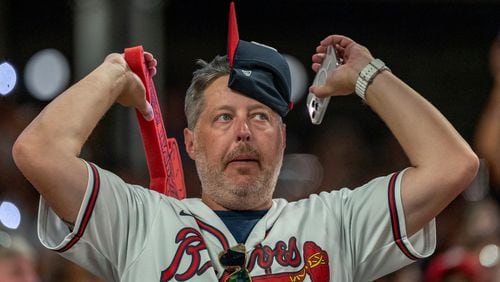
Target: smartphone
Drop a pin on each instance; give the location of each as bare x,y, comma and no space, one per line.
317,106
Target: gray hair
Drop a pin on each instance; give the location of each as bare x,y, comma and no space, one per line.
202,78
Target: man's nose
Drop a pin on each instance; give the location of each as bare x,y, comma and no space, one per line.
243,131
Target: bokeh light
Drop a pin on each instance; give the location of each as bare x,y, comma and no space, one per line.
47,74
489,255
8,78
10,215
5,239
299,78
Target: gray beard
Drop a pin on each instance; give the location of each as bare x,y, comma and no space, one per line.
247,196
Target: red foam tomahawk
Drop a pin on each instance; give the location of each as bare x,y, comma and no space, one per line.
233,36
162,153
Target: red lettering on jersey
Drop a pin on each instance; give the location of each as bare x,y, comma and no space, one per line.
191,243
315,266
285,256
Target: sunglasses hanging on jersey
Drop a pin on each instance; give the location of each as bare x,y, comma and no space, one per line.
233,260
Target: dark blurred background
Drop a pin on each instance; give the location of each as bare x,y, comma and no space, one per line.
440,48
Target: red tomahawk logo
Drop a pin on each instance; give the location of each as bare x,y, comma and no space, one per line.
162,153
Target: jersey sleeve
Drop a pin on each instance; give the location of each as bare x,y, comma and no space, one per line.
375,223
111,228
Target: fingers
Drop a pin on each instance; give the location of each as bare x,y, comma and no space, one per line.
152,71
322,49
148,56
151,63
321,91
146,109
340,51
316,66
352,58
318,58
342,41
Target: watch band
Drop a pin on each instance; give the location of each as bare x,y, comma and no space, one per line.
367,75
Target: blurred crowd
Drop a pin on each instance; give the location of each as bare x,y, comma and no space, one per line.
468,230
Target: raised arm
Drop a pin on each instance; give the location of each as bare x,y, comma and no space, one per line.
487,139
47,151
442,163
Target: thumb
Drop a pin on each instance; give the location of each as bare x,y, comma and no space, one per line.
147,111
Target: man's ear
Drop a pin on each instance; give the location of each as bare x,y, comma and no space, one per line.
189,142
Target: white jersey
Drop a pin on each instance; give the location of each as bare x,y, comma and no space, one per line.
127,233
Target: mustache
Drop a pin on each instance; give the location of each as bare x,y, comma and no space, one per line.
242,149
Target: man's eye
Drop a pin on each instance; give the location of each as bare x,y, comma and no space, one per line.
261,116
223,117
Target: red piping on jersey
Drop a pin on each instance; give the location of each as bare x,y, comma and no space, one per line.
88,210
396,231
219,235
222,239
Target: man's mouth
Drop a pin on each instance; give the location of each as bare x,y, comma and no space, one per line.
244,159
244,155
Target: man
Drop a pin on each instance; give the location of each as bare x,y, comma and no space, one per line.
236,136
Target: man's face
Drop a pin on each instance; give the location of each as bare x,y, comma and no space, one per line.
238,146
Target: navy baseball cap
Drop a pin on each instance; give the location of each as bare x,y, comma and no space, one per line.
258,71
